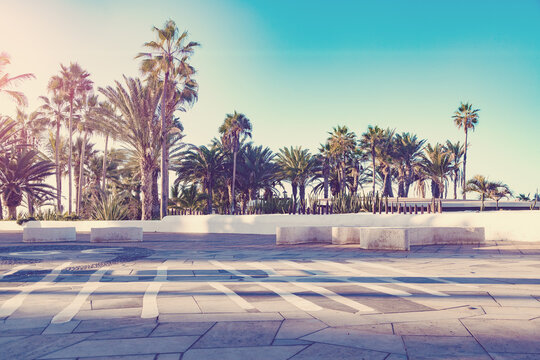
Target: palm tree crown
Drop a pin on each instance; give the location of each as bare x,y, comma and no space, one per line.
7,81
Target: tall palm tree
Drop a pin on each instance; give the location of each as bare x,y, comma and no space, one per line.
169,53
32,126
56,109
342,146
7,81
324,158
138,127
467,118
234,129
73,82
23,172
8,138
408,153
386,154
370,141
201,165
297,165
457,150
258,170
437,165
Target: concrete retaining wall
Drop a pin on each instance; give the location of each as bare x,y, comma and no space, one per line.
499,225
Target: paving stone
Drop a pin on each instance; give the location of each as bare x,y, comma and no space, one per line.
509,356
449,327
169,356
64,328
396,357
108,313
513,336
443,347
7,339
358,339
179,328
236,334
219,317
109,324
38,345
293,329
120,357
177,305
252,353
279,342
138,331
140,346
373,329
120,303
333,352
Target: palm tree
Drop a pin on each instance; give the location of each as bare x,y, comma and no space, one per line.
22,172
342,146
8,138
370,141
235,128
168,54
324,158
7,81
497,191
202,165
73,82
457,150
481,185
56,109
436,164
188,197
258,170
386,154
408,153
32,126
467,118
139,128
297,166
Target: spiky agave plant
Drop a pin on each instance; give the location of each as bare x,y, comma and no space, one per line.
110,206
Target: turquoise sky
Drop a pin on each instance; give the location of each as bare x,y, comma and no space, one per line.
298,68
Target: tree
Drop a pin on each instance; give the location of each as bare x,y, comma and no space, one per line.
201,165
73,82
467,118
408,151
167,55
7,81
342,144
436,164
480,185
370,140
235,128
457,150
138,127
55,109
386,154
23,173
258,170
297,166
497,191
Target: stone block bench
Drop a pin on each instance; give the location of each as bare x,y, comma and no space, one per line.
116,234
380,238
303,234
52,234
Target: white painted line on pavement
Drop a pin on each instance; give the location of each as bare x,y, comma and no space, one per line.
73,308
410,273
317,289
297,301
150,307
240,301
13,271
11,305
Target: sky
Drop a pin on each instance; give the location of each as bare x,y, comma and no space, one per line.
298,68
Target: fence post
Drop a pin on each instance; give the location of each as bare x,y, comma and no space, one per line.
415,209
440,206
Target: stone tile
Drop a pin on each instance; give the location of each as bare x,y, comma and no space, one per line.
451,327
38,345
295,315
443,347
358,339
100,304
396,357
513,336
292,329
252,353
279,342
509,356
236,334
120,357
64,328
137,331
179,328
333,352
169,356
108,313
172,344
373,329
7,339
109,324
177,305
219,317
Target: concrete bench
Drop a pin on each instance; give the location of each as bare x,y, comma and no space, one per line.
116,234
384,238
53,234
303,234
456,235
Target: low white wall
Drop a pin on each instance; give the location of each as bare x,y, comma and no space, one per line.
499,225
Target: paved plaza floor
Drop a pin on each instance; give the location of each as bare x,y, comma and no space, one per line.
229,297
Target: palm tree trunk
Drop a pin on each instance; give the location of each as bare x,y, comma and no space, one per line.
70,181
30,201
373,167
58,169
1,209
104,171
209,199
155,195
164,149
81,174
12,210
146,190
326,170
233,183
302,193
294,186
465,165
455,183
